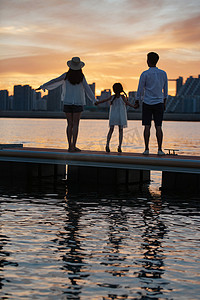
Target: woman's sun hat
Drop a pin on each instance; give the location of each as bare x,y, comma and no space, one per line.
75,63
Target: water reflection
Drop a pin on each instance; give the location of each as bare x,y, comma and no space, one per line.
73,256
153,258
4,261
114,255
3,255
117,229
108,247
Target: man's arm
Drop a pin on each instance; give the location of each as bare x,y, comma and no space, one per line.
140,91
165,91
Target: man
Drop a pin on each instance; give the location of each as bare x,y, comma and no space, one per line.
153,88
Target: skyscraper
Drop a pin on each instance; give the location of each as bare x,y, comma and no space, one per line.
105,94
22,98
87,100
179,83
3,100
54,99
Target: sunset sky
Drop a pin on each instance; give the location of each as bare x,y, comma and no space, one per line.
112,37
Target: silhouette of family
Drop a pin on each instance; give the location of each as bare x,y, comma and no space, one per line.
152,92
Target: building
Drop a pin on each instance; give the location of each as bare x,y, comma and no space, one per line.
54,102
191,87
10,102
104,94
38,102
87,100
187,99
4,103
179,84
23,98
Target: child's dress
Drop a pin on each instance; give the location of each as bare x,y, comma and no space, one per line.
118,113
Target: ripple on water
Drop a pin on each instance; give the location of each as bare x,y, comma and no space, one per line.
104,249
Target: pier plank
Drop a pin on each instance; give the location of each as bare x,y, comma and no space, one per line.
128,160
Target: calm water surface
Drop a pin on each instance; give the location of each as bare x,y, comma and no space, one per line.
138,244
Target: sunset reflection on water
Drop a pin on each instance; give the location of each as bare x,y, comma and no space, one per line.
139,244
183,136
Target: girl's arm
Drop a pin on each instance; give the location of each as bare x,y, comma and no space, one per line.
126,101
104,100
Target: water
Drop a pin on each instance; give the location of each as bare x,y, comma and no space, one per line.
128,245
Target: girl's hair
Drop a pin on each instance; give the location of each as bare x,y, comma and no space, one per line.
117,88
74,76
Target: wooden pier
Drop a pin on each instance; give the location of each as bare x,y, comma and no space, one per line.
179,171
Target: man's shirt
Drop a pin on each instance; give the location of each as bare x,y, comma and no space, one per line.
153,86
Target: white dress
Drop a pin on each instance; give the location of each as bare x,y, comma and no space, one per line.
118,113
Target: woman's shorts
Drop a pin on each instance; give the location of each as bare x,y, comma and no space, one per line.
72,108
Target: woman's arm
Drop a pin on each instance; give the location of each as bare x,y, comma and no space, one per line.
52,84
88,91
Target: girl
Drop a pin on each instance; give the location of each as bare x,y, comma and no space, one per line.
118,113
74,87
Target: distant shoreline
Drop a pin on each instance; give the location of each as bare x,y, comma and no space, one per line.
93,115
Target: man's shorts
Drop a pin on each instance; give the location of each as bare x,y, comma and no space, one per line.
72,108
155,110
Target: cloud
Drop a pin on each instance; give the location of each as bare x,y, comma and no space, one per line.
111,36
185,32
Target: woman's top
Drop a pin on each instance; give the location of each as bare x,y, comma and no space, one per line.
71,94
118,113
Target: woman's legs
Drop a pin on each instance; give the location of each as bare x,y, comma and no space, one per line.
69,117
76,119
72,128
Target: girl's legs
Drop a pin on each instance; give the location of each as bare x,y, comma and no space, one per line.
110,132
120,138
69,117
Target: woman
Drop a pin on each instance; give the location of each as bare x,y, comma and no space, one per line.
74,87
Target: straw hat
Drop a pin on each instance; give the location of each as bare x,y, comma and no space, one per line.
75,63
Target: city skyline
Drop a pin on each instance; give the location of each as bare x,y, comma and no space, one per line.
25,98
112,37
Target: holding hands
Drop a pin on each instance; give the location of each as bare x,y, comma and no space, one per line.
136,105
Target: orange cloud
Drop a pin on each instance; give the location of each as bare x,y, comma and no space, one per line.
112,37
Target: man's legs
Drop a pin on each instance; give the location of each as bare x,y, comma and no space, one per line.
147,136
159,135
158,118
146,122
